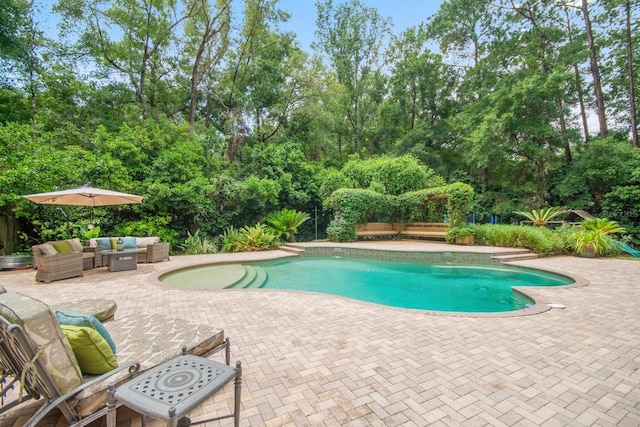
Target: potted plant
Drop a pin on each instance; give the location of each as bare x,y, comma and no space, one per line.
593,237
462,235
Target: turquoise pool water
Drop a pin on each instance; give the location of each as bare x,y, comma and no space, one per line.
439,287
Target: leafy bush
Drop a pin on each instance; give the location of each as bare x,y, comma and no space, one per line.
151,226
248,239
396,175
230,240
196,245
538,239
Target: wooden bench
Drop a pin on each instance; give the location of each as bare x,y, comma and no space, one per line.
431,230
377,229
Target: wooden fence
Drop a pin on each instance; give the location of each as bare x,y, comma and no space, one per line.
9,227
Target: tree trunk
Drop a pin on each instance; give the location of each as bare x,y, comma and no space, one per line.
563,131
595,72
583,110
632,95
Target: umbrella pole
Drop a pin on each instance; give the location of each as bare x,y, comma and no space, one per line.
68,228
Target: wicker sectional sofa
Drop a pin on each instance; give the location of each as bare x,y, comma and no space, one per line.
151,249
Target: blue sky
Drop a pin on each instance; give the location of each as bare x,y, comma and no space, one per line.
403,13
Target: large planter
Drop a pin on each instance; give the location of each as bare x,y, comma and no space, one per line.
15,261
467,239
587,254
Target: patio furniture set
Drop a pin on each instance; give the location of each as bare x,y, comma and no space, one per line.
64,259
159,367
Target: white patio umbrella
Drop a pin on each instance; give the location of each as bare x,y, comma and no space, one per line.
84,196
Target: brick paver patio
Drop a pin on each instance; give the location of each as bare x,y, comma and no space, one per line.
319,360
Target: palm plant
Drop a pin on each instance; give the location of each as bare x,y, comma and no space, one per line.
540,217
593,236
284,224
605,225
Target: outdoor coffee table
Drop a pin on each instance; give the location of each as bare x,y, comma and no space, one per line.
171,390
125,259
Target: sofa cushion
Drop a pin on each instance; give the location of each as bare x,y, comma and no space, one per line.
103,243
47,249
142,242
92,352
128,243
41,326
73,318
63,247
75,245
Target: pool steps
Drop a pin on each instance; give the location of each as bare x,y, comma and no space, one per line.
254,277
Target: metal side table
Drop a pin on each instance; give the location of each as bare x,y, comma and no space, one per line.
171,390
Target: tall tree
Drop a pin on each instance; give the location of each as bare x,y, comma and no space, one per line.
236,84
21,43
420,100
351,36
595,71
207,33
135,38
622,46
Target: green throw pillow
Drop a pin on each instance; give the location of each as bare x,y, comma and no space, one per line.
91,350
73,318
63,247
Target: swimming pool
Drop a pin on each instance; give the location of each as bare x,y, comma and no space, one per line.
417,285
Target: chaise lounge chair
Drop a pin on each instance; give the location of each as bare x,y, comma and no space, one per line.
35,354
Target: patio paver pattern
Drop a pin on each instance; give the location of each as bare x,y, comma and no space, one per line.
319,360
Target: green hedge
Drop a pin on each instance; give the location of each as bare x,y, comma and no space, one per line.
541,240
352,206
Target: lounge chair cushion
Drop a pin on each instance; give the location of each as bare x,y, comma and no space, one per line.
150,339
101,308
73,318
63,247
39,322
92,352
47,249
